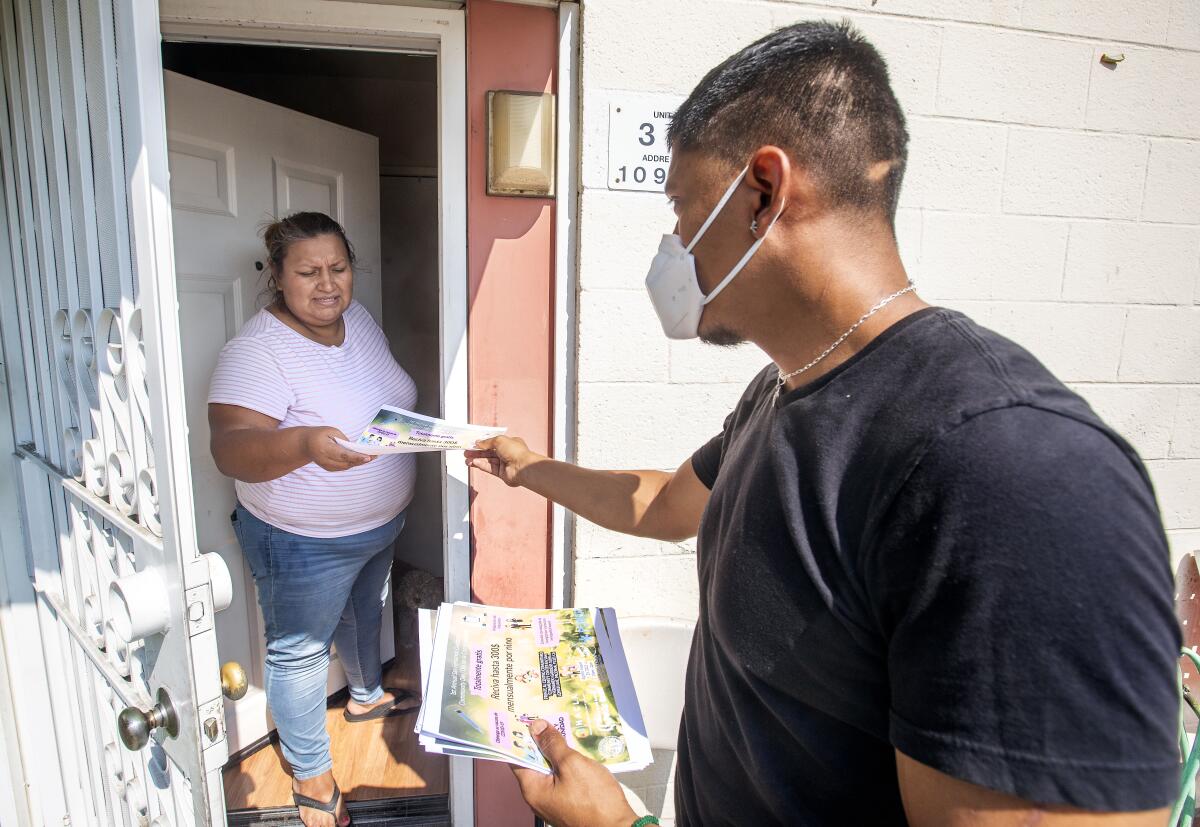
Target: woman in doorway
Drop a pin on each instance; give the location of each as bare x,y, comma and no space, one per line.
316,521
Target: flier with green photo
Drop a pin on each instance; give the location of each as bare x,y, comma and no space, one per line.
397,431
492,670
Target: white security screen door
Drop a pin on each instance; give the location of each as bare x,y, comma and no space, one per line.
125,601
237,162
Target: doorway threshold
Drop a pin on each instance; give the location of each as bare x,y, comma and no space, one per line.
412,811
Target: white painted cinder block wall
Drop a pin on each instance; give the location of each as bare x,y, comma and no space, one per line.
1050,197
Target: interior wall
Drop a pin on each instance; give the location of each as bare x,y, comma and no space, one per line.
409,247
394,97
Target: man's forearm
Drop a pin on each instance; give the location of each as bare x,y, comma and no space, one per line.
617,500
260,454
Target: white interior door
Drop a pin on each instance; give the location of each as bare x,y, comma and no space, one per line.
237,162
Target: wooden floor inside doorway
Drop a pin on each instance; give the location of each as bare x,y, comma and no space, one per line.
372,760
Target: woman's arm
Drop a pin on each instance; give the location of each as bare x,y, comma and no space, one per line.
251,447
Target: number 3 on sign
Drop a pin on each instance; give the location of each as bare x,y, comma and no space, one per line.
638,153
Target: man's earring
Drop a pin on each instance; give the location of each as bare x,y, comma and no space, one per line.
754,227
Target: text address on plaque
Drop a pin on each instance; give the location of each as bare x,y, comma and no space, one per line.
638,153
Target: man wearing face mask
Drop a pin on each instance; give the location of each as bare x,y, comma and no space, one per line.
934,586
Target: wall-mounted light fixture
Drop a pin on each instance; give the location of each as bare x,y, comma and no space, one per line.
520,144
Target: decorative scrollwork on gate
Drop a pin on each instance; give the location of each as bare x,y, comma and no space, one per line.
116,462
64,357
139,388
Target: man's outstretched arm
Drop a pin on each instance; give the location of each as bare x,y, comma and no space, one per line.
663,505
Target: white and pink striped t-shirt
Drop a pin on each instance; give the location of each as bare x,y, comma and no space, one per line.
272,369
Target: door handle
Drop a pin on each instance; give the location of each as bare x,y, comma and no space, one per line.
138,605
135,726
233,681
221,582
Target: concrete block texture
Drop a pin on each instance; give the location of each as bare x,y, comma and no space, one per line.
954,165
620,339
1176,483
1151,92
667,45
1111,261
908,238
593,136
1143,414
695,362
619,233
652,425
1173,182
1078,342
1048,196
971,256
665,585
999,12
1014,77
1183,32
593,541
1145,21
1185,434
1091,175
912,51
978,311
1162,344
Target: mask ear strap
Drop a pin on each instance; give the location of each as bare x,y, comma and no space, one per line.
712,216
737,268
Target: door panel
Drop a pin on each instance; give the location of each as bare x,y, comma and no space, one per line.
210,314
202,176
230,174
306,187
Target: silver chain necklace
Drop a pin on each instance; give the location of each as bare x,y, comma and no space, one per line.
882,303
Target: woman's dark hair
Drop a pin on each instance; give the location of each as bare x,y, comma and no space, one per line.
279,236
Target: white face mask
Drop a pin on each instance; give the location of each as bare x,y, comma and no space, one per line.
672,283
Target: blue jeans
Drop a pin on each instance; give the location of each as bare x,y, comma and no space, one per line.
313,592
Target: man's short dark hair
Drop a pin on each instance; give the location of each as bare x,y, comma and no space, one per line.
818,90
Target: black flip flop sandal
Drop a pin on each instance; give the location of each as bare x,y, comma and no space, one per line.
329,806
384,710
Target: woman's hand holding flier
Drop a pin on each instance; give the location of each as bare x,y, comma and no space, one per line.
320,447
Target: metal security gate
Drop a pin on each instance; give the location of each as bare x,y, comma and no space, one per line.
124,600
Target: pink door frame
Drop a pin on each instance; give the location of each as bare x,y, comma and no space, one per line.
510,262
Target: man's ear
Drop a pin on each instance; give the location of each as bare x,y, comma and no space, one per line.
781,181
769,172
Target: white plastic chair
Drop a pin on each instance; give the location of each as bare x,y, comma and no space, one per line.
657,650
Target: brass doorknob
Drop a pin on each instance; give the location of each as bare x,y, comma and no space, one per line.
233,681
134,726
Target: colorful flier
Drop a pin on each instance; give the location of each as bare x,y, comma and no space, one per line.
491,670
397,431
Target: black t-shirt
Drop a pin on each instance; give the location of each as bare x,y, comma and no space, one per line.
936,548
